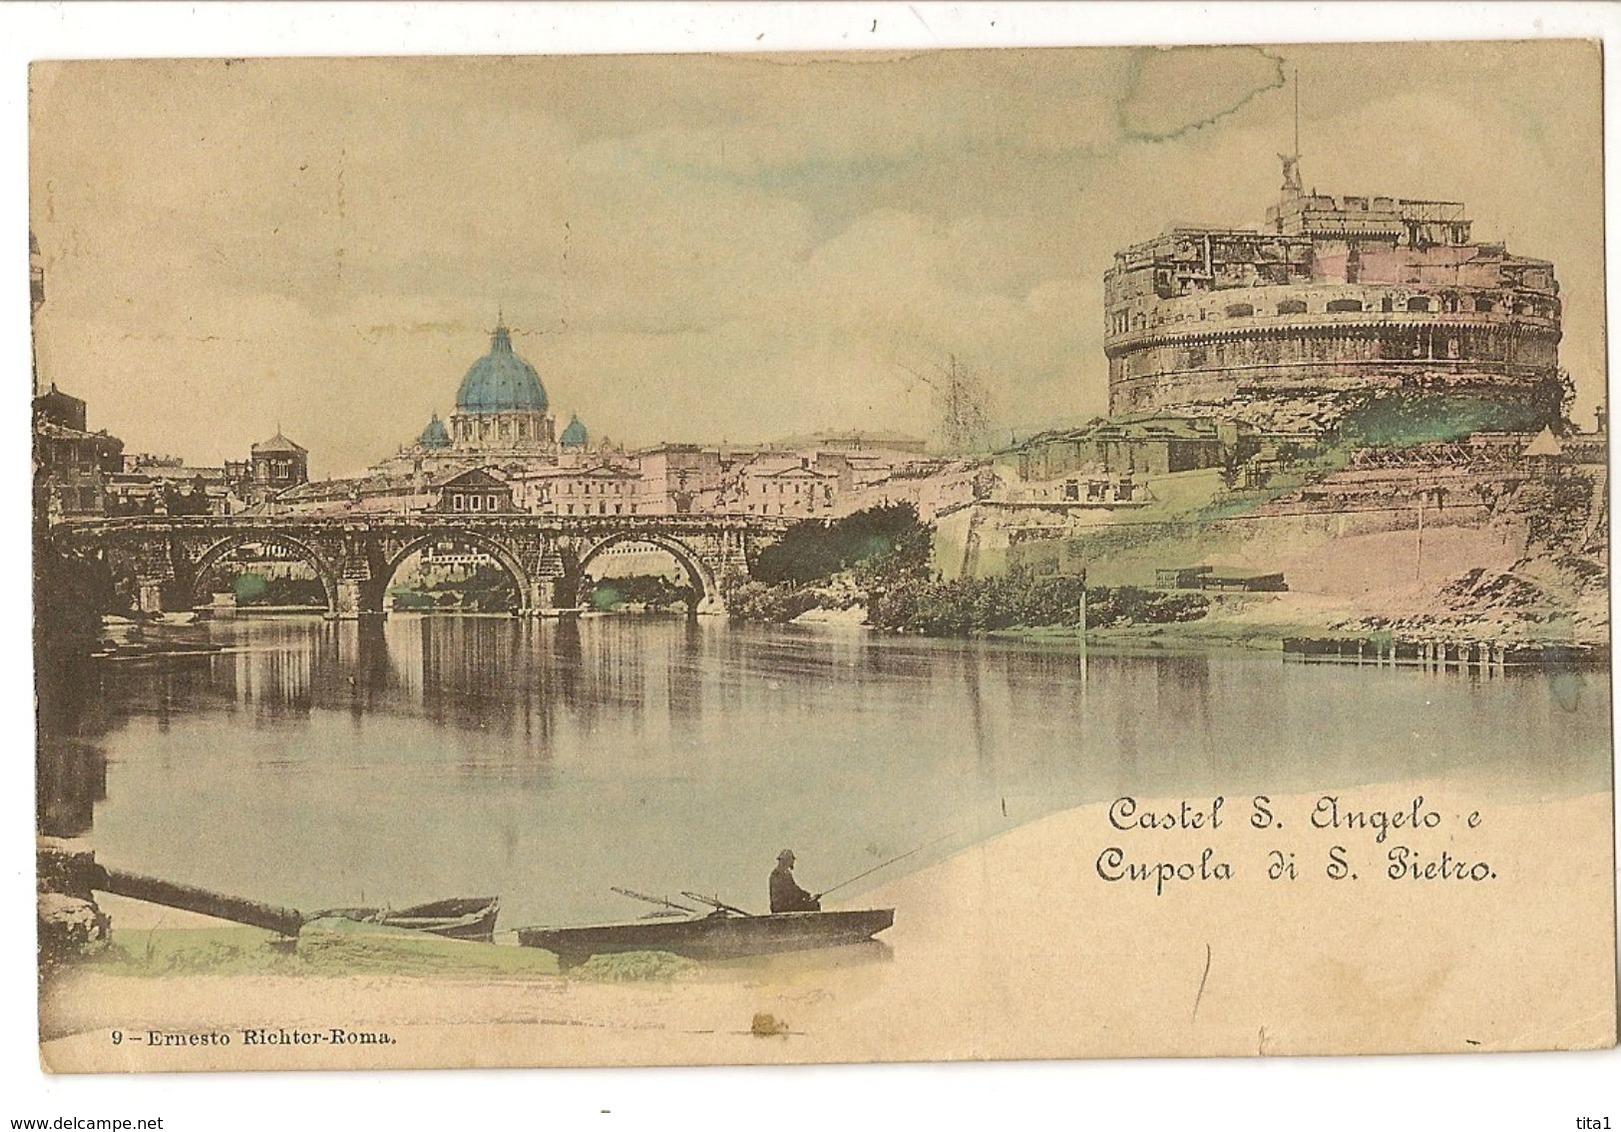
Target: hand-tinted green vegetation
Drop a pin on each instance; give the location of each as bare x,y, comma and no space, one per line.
487,589
634,967
355,950
980,605
651,591
255,589
886,540
832,565
880,559
1420,418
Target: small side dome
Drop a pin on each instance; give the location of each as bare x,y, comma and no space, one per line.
574,436
436,435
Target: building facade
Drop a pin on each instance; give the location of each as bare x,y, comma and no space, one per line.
474,492
1334,294
1149,444
800,489
574,489
678,479
73,466
272,467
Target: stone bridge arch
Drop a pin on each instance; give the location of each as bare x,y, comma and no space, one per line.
373,592
325,571
699,571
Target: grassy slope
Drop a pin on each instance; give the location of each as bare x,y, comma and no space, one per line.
356,950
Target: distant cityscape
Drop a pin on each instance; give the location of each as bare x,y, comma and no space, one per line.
1237,357
501,452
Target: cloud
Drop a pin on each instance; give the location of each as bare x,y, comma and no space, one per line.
705,247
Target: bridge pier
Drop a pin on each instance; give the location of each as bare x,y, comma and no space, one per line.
149,594
540,597
351,604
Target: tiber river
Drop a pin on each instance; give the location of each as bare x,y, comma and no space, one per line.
315,764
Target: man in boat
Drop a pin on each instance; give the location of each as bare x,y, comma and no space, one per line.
786,895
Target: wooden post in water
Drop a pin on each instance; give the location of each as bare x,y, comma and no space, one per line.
285,921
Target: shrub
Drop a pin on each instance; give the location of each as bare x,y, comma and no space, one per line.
816,549
979,605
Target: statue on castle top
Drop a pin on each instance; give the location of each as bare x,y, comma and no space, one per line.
1291,172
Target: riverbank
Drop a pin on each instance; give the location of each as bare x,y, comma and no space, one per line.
1016,947
1261,622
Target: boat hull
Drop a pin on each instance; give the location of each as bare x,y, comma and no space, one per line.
713,937
467,917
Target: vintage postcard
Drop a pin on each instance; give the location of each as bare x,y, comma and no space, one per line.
704,559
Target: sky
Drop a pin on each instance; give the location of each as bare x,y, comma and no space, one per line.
720,248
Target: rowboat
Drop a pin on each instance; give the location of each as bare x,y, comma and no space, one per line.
460,917
722,934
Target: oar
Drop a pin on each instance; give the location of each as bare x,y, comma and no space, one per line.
885,865
715,904
654,900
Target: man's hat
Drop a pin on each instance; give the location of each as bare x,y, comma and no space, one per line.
786,855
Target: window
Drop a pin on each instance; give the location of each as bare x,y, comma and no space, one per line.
1340,306
1240,310
1418,303
473,502
1484,305
457,503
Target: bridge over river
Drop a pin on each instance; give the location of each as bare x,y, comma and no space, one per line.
356,557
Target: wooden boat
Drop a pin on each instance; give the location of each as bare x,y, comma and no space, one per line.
460,917
721,934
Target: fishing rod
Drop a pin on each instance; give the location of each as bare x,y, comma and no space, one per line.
653,900
885,865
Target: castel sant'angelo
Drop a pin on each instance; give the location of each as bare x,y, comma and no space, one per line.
1333,297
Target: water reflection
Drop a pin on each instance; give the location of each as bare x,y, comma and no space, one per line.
316,763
